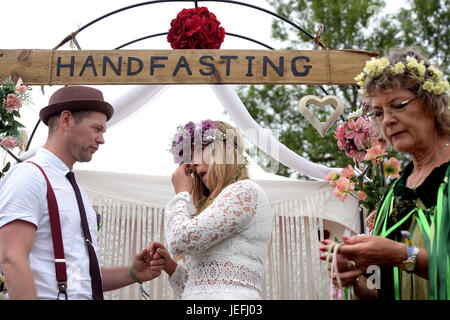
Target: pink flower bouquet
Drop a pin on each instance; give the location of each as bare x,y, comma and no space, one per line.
365,181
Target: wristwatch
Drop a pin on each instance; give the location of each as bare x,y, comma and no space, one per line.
409,265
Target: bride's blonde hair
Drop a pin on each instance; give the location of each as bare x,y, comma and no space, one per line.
227,165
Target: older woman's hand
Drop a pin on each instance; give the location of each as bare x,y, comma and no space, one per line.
348,273
367,250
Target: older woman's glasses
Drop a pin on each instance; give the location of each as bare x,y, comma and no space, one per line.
378,113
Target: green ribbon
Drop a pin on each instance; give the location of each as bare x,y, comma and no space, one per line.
438,246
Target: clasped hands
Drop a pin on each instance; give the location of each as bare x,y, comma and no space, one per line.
149,263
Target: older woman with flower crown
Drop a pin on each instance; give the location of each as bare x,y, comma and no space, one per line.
407,254
219,220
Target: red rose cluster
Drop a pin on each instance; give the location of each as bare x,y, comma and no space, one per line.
195,28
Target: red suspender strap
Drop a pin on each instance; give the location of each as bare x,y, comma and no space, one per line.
55,225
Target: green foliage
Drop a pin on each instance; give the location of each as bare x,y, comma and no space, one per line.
426,26
348,24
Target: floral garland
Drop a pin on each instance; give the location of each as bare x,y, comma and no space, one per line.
12,96
195,28
432,77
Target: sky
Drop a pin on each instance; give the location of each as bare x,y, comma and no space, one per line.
140,144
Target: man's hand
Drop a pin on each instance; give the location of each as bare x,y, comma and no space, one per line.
142,268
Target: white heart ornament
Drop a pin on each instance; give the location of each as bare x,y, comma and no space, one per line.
321,127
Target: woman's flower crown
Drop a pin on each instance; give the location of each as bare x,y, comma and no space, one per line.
432,77
204,133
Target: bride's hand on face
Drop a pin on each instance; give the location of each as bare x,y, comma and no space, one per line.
182,180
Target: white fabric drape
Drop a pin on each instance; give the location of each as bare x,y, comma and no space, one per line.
130,102
262,138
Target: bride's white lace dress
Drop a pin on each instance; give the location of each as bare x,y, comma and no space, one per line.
225,246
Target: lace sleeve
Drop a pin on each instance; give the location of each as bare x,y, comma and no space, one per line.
230,213
178,280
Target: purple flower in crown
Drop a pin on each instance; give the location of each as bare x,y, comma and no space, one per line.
178,144
190,129
207,125
208,131
189,134
177,139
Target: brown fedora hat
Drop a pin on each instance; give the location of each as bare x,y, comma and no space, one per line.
76,98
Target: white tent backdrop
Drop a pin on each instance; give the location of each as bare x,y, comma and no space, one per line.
132,203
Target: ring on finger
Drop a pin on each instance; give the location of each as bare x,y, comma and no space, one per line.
351,264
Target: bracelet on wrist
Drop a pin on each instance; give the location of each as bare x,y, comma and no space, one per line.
133,276
144,293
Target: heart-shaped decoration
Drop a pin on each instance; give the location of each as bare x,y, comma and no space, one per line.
321,127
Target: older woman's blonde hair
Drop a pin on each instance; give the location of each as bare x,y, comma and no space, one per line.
227,165
436,105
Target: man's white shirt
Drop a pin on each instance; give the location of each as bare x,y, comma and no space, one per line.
24,196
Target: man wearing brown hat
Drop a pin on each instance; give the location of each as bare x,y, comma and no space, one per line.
48,228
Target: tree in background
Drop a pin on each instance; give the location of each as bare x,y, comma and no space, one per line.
348,24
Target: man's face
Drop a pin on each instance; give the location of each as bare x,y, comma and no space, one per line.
86,136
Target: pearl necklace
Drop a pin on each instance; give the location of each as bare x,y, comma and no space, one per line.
415,184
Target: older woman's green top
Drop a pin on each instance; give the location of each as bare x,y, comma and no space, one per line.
425,213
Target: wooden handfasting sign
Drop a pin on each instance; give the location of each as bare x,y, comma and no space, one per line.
96,67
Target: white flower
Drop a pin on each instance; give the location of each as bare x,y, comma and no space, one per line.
360,77
369,67
441,87
380,71
428,85
384,62
410,59
446,85
376,62
399,67
357,114
437,74
421,69
438,90
412,63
